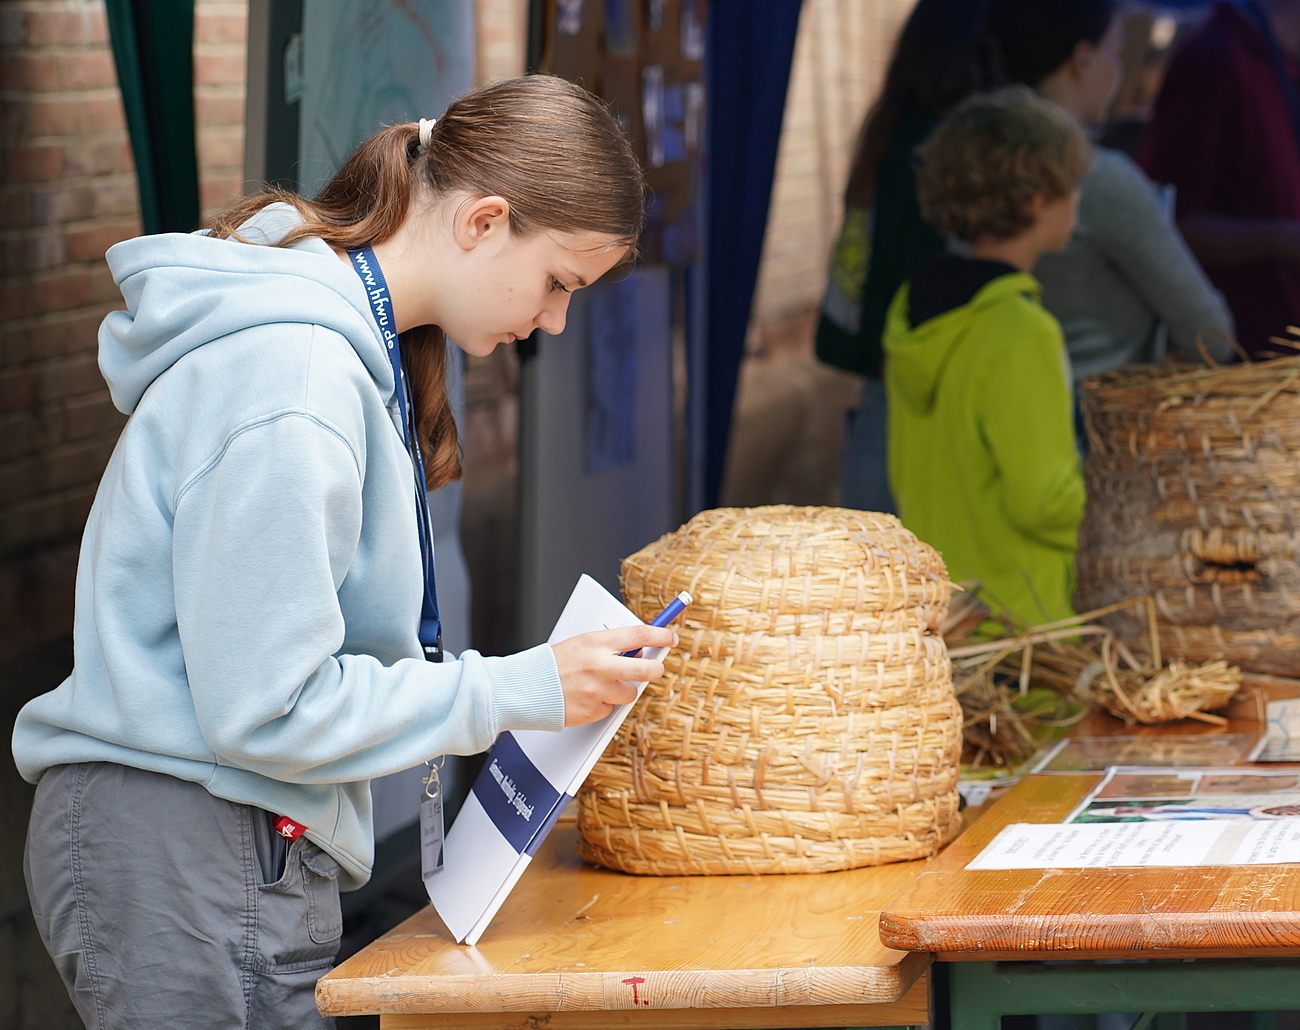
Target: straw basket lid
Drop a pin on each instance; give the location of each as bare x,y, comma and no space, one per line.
1193,479
773,567
805,723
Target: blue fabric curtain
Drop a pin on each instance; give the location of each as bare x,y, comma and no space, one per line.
751,47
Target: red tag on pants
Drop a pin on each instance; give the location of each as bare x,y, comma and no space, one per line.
288,829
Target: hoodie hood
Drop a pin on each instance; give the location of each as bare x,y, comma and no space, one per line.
183,290
917,357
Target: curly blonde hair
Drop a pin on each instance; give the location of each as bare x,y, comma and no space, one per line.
993,153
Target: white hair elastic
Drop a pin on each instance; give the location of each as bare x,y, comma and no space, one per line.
426,131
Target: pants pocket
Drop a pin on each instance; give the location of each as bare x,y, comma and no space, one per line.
270,848
320,874
300,922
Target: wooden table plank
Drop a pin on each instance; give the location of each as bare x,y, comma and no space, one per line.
913,1009
573,938
1041,913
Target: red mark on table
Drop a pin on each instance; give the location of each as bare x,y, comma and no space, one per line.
634,980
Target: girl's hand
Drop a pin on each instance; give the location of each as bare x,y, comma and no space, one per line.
596,677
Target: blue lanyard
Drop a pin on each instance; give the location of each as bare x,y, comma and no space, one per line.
381,306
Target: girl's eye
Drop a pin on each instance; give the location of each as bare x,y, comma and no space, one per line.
557,285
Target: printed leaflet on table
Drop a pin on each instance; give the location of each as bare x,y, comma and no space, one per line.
1142,816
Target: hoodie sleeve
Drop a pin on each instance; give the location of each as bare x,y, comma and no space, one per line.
1028,425
261,546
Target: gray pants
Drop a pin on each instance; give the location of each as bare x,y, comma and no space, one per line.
165,907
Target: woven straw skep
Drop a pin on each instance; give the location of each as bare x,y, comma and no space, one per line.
806,722
1193,495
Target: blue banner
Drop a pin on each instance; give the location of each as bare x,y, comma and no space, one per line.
518,799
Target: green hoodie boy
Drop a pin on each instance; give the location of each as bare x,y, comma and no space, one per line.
982,458
981,443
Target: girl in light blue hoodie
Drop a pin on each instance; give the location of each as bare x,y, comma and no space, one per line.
255,606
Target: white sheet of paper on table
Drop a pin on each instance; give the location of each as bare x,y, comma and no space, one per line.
1142,845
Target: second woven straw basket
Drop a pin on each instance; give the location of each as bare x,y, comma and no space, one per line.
1193,498
806,722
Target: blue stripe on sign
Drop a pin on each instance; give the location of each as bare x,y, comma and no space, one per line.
518,799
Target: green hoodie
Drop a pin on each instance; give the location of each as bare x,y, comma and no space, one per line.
982,458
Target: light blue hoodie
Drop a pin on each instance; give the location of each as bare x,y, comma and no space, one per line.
249,589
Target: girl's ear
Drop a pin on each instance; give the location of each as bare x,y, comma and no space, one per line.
1081,59
482,219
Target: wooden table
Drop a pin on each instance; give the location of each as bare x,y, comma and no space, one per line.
580,947
979,919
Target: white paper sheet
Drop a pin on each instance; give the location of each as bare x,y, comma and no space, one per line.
1269,842
1141,845
1100,845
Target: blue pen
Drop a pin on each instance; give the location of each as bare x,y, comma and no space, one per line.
675,607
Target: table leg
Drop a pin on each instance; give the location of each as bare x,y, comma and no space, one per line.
980,993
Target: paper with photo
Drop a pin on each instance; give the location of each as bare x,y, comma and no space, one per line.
1142,816
1143,794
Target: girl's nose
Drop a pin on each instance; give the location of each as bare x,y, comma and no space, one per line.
554,316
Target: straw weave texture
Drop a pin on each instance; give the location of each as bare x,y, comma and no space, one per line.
1193,493
806,722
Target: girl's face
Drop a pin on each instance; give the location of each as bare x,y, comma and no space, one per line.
507,286
455,263
1099,73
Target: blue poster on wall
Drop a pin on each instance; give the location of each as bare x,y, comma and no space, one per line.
609,416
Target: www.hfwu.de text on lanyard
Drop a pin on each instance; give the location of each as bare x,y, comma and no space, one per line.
381,306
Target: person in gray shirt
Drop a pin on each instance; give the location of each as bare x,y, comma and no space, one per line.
1126,278
1125,273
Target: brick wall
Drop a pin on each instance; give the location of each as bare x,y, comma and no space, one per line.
502,34
220,36
68,194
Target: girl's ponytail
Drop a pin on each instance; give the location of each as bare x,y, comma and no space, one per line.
363,204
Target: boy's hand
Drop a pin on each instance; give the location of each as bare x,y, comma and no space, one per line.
596,677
